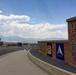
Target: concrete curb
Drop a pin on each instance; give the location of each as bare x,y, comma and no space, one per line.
53,70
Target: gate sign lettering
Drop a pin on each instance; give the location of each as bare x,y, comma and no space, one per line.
74,49
73,31
60,51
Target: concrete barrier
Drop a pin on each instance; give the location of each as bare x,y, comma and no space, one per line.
53,70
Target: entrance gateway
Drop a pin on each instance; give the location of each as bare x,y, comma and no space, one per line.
60,51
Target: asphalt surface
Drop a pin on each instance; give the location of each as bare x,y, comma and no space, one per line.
18,63
5,50
57,63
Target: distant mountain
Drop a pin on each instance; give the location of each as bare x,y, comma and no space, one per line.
28,40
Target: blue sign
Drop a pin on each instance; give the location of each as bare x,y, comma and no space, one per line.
60,51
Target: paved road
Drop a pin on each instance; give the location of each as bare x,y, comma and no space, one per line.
4,50
18,63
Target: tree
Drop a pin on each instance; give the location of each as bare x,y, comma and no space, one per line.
25,44
19,44
1,43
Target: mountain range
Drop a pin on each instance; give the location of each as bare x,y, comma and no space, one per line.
28,40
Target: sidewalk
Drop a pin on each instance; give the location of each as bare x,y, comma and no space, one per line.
18,63
57,63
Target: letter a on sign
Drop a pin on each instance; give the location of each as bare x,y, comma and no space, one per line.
60,51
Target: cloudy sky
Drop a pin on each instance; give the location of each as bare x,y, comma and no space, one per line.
36,18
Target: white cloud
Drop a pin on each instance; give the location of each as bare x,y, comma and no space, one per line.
16,18
12,26
0,11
